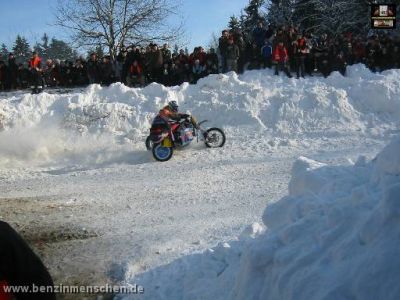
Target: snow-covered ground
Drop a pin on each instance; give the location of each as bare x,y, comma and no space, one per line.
76,180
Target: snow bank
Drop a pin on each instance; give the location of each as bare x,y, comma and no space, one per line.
363,101
335,236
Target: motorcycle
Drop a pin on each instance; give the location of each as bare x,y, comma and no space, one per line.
163,141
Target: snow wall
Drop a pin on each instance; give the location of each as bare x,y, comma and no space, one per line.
36,128
335,236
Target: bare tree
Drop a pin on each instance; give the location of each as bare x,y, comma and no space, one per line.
213,43
112,23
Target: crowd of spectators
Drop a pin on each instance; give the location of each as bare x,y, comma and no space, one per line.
285,49
291,50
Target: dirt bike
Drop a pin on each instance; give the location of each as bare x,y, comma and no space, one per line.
163,141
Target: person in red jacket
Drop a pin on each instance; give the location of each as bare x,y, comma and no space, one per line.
35,66
281,59
135,74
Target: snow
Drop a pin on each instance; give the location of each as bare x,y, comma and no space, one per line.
336,235
363,102
75,161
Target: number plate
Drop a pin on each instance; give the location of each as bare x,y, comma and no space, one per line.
167,142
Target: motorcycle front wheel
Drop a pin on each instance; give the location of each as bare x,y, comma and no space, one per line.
214,138
161,153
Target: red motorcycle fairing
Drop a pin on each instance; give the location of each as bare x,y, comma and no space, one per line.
157,133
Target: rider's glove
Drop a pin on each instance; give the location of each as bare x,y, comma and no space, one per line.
185,116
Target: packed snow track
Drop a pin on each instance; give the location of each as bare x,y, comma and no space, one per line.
77,182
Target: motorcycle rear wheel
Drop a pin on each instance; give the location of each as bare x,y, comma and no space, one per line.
149,143
161,153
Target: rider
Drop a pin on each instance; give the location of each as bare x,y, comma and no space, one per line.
170,112
169,115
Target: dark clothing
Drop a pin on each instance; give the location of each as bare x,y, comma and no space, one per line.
232,56
107,73
20,266
259,35
93,71
232,52
167,55
5,76
13,68
223,45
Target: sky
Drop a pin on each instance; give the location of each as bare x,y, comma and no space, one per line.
32,18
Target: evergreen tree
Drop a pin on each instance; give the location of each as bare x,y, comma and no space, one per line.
98,50
45,46
59,49
21,49
4,52
234,23
253,15
38,48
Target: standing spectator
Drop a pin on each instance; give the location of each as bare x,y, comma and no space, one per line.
197,71
47,74
212,57
254,56
309,58
348,51
135,76
269,33
320,49
266,54
223,45
166,53
175,74
166,75
259,34
232,56
23,76
339,63
281,59
154,63
325,63
300,52
239,41
35,67
5,83
107,71
13,67
80,77
93,69
359,51
372,52
211,66
182,57
69,73
119,64
396,56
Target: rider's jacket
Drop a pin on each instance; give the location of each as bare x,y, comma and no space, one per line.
167,114
166,117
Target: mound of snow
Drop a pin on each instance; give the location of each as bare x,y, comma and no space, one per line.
335,236
363,101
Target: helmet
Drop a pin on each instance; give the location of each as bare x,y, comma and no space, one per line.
173,106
